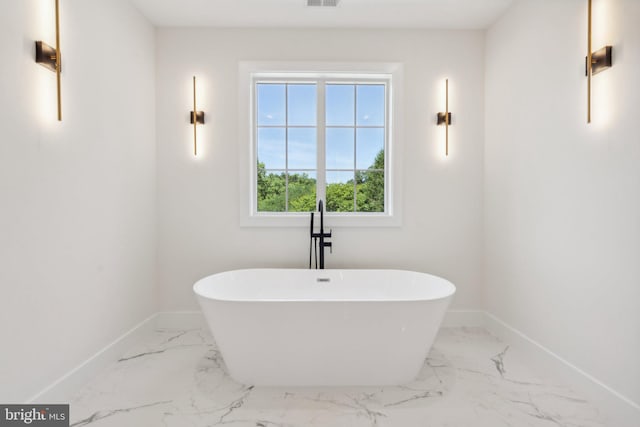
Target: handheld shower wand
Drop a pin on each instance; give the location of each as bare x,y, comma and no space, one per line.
311,240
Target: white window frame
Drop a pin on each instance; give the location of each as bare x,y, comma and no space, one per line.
251,73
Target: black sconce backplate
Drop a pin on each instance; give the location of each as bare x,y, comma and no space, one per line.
600,60
441,118
46,56
199,117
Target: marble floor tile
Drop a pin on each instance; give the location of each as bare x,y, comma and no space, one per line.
471,378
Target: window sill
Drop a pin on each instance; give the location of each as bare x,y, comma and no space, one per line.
331,220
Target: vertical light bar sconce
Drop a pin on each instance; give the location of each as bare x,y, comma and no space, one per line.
51,58
595,61
197,117
445,118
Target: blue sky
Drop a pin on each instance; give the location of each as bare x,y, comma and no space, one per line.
300,100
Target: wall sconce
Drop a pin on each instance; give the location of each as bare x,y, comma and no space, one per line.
599,60
445,118
51,58
197,117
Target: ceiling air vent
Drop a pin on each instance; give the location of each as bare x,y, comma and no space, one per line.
325,3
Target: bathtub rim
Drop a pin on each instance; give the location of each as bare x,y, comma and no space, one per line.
451,288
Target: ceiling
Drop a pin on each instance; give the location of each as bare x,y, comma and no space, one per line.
437,14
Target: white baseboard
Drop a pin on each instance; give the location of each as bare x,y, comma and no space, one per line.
64,388
619,410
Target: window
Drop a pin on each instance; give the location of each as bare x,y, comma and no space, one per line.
346,169
320,136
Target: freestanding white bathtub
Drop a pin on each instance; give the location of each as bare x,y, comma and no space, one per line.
285,327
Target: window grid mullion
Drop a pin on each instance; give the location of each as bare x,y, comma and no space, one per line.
351,127
286,147
292,126
321,163
355,141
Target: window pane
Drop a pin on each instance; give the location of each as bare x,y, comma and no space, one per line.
302,191
370,191
339,190
271,104
271,191
271,147
370,108
302,102
369,145
302,148
339,152
340,105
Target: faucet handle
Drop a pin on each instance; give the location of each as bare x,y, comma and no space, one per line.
329,245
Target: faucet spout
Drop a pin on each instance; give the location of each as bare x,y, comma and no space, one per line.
321,210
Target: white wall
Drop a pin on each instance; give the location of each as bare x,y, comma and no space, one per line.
562,198
198,198
77,198
77,219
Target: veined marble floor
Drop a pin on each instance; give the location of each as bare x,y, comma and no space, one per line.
470,379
